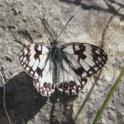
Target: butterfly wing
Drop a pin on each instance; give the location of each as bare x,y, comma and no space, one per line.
33,59
83,60
79,61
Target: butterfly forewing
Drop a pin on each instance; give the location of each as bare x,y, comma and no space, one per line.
33,59
86,59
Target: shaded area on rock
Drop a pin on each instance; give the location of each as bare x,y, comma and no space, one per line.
22,99
23,102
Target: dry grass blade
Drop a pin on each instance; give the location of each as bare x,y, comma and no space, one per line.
4,99
108,97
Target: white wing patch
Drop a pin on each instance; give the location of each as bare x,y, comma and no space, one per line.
89,61
69,50
84,65
42,61
35,65
31,62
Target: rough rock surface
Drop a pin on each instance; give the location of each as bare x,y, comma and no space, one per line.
99,22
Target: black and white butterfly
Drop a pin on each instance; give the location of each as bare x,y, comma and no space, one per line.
64,67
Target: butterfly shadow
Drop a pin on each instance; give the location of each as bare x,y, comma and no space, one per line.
62,108
22,99
23,102
111,6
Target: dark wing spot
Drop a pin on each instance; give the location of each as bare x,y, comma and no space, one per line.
38,52
79,71
80,51
39,71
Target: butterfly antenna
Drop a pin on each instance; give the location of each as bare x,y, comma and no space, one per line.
64,27
44,23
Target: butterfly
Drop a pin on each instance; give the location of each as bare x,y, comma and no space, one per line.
62,67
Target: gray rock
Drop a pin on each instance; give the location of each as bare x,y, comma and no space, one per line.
96,22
